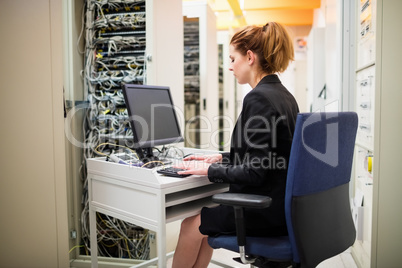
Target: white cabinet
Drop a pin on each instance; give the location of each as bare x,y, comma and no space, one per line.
316,84
228,90
165,47
365,88
33,202
378,97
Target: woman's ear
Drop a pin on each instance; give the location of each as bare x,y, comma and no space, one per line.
251,57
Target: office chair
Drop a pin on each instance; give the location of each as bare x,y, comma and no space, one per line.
317,208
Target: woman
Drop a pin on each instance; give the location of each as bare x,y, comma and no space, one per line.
260,145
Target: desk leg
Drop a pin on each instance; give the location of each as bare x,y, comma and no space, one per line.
94,243
161,232
161,245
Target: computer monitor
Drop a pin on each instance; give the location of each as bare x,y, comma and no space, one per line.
152,118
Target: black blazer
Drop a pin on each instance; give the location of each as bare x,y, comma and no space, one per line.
260,148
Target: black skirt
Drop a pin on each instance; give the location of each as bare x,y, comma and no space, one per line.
221,220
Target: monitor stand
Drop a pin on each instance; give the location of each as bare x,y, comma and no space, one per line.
146,155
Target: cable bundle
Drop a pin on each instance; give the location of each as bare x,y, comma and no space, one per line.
115,46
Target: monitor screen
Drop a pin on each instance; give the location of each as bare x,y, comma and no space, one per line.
152,116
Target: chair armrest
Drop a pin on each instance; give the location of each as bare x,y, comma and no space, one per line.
242,200
239,202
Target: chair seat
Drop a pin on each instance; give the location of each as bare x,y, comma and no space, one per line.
277,248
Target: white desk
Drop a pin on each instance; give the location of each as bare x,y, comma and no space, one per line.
143,197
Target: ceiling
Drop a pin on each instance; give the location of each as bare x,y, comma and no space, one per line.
238,13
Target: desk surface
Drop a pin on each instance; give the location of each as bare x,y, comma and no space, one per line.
143,176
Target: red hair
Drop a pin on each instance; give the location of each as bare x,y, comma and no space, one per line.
271,43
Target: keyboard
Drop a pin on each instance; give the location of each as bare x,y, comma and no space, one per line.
172,172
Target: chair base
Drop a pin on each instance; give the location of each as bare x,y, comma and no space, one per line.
265,263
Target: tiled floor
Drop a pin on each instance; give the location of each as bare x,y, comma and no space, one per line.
343,260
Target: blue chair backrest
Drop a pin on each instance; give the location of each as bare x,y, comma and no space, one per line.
321,158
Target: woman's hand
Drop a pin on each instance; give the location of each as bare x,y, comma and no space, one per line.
209,158
194,167
198,164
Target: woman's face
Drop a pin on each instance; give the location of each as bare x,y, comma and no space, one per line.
239,65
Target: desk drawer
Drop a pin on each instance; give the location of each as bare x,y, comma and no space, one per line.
134,203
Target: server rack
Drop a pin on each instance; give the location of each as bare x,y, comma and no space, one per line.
192,81
115,52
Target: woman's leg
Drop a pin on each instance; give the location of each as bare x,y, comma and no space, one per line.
192,248
205,254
